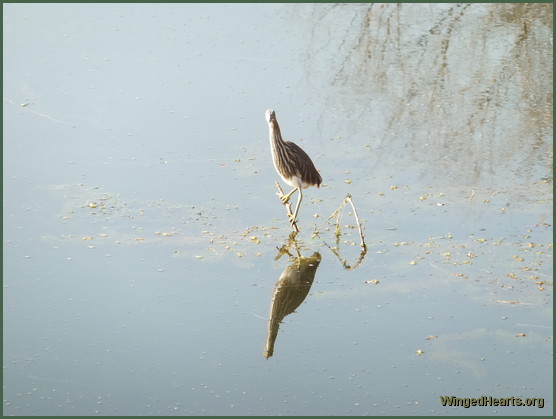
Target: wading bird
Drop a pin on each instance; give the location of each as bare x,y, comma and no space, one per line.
293,165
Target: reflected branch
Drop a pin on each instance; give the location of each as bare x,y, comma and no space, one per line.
344,263
285,249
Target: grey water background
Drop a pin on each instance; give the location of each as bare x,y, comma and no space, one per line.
141,223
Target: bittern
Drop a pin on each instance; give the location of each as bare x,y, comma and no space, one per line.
293,165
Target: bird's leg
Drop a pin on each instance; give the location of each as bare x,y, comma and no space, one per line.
294,217
286,198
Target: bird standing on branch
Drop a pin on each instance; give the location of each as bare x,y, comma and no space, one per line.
293,165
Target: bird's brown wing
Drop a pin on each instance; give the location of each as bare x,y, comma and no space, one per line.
304,166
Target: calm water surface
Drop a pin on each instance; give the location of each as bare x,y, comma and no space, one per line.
148,264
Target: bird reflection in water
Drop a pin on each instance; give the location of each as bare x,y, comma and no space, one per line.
290,291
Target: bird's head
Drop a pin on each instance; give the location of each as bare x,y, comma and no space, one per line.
270,115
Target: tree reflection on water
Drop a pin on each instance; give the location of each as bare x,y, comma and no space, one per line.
463,89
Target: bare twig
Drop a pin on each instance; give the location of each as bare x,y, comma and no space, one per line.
337,213
288,206
361,237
